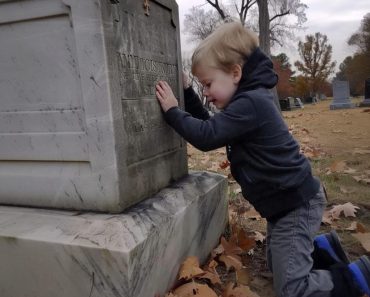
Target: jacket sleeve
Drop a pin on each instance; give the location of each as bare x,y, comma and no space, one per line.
194,106
238,119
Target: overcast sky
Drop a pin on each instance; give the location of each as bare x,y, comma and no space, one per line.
338,19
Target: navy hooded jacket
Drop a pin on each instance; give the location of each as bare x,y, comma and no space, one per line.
264,157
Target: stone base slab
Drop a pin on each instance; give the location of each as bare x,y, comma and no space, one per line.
365,103
137,253
341,106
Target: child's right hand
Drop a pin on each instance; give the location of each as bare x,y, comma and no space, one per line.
165,96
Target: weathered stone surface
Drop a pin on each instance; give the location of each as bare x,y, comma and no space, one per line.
341,96
47,253
80,127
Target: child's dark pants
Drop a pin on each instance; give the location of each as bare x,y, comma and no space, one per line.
289,247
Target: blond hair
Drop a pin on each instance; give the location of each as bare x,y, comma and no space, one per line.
229,44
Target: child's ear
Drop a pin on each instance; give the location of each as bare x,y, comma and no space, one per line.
236,73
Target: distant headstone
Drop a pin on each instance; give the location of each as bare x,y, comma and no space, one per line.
80,126
366,102
341,96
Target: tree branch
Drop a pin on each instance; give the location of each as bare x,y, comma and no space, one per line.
279,15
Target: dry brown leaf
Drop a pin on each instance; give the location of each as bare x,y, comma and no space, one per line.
224,164
245,242
211,267
253,214
349,170
194,289
217,251
240,291
356,226
348,209
360,228
327,218
259,236
361,151
364,238
230,248
243,277
231,261
211,272
338,166
362,179
190,268
214,278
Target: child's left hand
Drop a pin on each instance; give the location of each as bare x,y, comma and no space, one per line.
165,96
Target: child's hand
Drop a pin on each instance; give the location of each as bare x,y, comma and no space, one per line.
165,96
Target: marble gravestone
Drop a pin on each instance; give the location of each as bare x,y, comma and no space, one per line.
80,127
341,96
366,102
95,197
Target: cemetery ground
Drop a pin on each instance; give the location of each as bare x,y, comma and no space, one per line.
338,144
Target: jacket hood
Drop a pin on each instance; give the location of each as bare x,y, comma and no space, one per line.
257,72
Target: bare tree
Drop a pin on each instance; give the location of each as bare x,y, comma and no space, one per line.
316,64
273,26
200,23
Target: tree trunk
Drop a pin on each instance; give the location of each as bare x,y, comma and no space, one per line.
264,37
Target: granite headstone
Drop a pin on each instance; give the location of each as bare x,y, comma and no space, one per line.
80,127
341,95
366,102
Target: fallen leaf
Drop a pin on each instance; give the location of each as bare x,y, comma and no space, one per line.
231,261
194,289
211,272
338,166
327,218
360,228
243,277
230,248
217,251
348,209
224,164
364,238
366,110
356,226
362,179
214,278
349,170
352,227
190,268
361,151
259,236
253,214
245,242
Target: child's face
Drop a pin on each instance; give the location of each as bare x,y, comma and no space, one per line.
219,86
